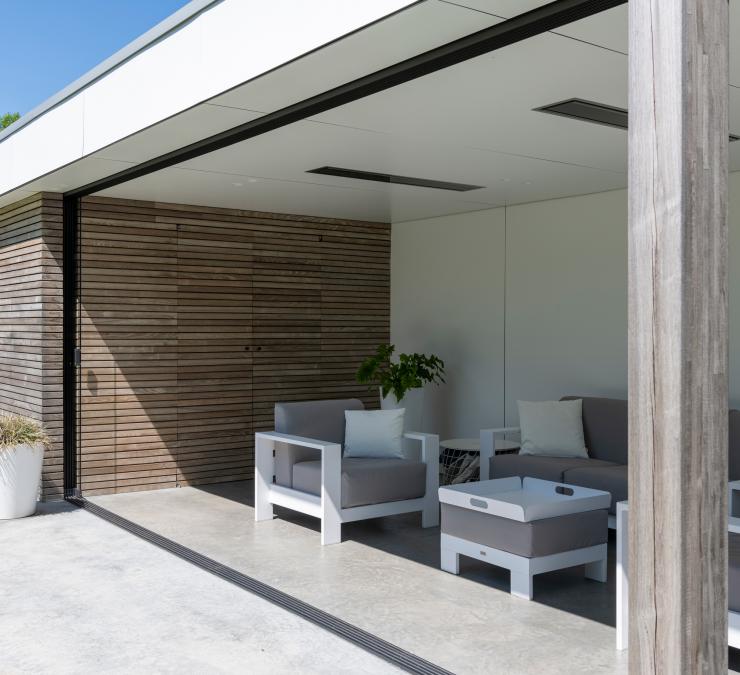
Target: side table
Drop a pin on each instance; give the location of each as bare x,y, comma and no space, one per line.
459,458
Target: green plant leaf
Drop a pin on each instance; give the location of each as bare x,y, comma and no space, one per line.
410,371
8,118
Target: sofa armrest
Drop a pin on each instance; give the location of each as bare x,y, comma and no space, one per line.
267,444
429,455
289,439
488,446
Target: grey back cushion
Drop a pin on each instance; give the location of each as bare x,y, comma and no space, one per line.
734,446
605,431
320,420
605,427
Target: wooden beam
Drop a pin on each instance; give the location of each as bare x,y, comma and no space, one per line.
678,341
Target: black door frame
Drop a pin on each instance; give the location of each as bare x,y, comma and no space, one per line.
530,24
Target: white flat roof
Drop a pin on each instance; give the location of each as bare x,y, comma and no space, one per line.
205,49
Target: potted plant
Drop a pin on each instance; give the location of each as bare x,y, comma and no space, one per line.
402,380
22,444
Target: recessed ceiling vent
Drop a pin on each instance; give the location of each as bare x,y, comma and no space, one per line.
598,113
396,180
588,111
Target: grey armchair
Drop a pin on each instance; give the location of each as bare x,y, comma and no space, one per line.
304,458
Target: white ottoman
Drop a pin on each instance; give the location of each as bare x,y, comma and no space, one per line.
529,526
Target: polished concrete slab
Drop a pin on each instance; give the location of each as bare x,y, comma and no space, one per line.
79,595
384,577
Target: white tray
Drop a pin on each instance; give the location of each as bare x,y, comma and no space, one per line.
525,499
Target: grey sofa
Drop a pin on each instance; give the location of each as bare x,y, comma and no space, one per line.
605,431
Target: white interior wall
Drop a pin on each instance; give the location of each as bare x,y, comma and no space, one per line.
446,280
527,302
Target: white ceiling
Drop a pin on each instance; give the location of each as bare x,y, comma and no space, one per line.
471,123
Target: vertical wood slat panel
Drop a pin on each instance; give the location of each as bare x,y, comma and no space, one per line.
199,319
30,321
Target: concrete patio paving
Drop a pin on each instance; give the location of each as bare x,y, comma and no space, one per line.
78,595
385,578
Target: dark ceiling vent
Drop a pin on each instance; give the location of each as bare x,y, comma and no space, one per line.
588,111
598,113
390,178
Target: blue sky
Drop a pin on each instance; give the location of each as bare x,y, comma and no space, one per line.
46,44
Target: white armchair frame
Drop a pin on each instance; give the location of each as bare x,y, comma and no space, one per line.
328,505
488,447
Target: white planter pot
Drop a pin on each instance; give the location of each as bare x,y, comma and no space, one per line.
20,478
413,402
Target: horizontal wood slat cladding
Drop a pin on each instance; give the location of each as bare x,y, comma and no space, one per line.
31,321
196,320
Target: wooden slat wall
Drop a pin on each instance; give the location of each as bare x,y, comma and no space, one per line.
30,321
128,374
197,320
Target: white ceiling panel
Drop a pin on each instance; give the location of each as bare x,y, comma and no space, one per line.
487,103
502,8
401,37
290,152
174,133
606,29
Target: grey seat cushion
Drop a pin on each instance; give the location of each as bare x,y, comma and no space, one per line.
366,480
545,468
733,579
533,539
608,478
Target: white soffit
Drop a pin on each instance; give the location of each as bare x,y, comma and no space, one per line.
228,43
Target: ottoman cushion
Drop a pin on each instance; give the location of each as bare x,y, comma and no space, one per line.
531,539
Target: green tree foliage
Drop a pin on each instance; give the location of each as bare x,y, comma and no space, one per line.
7,119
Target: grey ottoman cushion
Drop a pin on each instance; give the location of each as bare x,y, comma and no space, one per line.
608,478
533,539
733,580
546,468
366,480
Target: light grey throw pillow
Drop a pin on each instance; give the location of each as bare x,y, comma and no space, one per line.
374,433
552,428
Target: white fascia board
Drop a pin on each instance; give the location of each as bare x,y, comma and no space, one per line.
201,51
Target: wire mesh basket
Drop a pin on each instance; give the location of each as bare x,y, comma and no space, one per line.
458,466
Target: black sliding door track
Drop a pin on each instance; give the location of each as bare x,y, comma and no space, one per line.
357,636
530,24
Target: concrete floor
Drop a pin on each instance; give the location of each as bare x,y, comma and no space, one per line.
385,578
78,595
